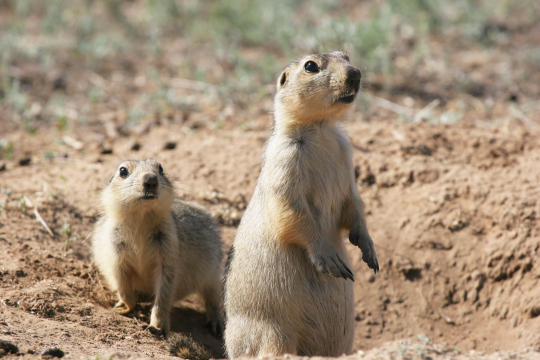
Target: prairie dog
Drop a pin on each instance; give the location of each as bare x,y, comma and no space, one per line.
148,241
287,286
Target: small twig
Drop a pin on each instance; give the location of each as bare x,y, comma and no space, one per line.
88,236
518,114
192,85
427,304
426,110
28,201
40,219
446,318
388,105
396,253
77,145
96,79
398,135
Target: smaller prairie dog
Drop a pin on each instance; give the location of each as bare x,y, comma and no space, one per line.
287,286
150,242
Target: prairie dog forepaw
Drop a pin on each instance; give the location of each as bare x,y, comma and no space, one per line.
328,261
364,242
122,308
158,332
216,326
159,326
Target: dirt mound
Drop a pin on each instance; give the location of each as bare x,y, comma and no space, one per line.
455,210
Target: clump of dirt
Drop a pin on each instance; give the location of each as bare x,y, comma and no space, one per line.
7,348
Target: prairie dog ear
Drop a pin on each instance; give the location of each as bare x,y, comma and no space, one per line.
341,54
111,178
283,79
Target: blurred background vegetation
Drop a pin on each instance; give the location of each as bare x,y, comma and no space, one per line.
71,62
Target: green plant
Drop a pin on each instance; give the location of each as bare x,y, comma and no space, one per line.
7,192
244,45
421,352
49,154
66,230
6,149
22,203
62,123
424,338
30,126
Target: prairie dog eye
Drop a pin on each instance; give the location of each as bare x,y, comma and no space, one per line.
160,170
124,173
311,67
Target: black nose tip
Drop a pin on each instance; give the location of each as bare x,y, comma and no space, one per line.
353,74
353,77
150,181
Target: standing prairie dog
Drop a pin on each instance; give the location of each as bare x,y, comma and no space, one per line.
150,242
287,287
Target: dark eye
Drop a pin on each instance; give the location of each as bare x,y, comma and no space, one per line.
311,67
124,172
160,170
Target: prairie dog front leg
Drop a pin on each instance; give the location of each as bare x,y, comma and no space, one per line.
165,280
294,224
127,298
354,220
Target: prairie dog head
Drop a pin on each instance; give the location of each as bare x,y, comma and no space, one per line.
317,87
138,187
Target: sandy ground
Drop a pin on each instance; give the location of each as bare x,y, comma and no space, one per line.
453,212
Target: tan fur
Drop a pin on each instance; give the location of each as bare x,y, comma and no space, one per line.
286,222
279,295
162,247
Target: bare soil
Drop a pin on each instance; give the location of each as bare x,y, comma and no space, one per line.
453,210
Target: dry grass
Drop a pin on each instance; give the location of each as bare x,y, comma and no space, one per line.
185,347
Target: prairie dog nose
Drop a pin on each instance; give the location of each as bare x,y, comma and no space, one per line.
353,78
353,74
150,181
